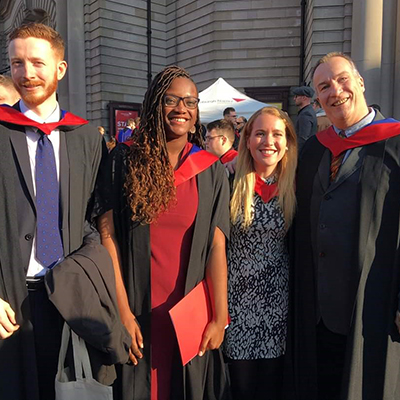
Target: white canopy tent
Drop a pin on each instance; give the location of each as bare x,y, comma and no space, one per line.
221,95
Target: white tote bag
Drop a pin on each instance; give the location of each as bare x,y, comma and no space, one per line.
85,388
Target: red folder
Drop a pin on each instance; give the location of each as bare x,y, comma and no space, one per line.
190,317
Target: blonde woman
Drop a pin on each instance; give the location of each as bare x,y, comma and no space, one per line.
262,208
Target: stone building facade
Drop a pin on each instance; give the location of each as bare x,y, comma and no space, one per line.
262,47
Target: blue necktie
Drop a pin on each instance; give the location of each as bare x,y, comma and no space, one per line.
49,248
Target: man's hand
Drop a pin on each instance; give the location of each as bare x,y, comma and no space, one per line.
8,324
397,320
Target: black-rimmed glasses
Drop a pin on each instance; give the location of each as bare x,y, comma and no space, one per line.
171,100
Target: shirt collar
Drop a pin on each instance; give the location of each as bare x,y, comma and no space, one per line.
53,117
359,125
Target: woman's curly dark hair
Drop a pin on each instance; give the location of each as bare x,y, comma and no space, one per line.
150,180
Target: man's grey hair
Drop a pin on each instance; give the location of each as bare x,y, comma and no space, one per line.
328,56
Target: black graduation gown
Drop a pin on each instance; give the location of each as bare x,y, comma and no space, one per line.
373,352
81,153
204,377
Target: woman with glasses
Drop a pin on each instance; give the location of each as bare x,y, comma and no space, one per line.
170,209
262,208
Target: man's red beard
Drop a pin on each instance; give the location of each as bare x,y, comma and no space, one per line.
35,99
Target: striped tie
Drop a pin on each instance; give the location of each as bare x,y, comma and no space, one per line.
338,160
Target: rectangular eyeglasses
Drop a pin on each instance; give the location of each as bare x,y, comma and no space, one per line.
171,100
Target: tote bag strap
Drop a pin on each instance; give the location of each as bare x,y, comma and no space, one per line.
63,349
81,358
81,355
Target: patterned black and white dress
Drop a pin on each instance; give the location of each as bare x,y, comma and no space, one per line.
258,285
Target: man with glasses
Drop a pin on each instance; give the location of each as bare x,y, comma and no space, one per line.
219,139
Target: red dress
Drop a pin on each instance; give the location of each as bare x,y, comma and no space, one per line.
171,240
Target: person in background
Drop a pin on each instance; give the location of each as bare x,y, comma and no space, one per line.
111,144
125,133
219,140
109,140
101,130
230,114
8,93
322,120
137,122
346,274
171,214
376,107
240,123
262,208
306,123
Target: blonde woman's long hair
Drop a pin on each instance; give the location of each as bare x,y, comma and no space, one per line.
245,178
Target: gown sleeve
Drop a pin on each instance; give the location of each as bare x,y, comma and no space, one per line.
110,181
221,201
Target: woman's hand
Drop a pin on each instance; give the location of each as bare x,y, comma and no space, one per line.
212,337
217,282
105,224
131,324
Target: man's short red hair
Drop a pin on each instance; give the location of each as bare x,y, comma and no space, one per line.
40,31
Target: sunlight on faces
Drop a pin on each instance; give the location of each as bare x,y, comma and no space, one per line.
267,143
35,69
179,120
340,91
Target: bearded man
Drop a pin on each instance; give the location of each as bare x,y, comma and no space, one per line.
48,170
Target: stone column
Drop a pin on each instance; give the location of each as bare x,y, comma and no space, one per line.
70,24
366,44
388,56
